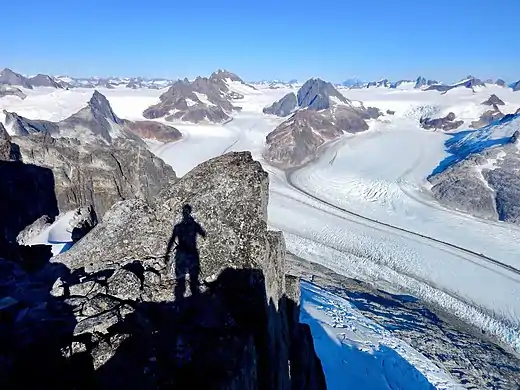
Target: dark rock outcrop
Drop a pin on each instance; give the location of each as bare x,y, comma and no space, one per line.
27,193
516,86
422,82
493,100
103,315
447,123
204,99
11,91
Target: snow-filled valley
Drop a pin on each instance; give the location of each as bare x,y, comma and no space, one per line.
361,208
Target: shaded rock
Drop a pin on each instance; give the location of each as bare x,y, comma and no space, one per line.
82,222
493,100
283,107
390,112
447,123
8,150
20,185
516,86
515,137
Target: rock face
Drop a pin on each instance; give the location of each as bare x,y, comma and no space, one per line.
483,180
110,318
95,173
204,99
493,100
447,123
317,94
516,86
11,91
322,114
97,121
7,76
283,107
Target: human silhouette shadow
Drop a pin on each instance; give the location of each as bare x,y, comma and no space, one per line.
187,261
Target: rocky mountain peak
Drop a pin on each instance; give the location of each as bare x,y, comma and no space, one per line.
101,108
493,100
7,76
316,94
43,80
500,83
222,74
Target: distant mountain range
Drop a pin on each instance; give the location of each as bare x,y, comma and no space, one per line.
11,78
427,84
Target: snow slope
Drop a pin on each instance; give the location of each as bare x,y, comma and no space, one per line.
58,234
464,143
356,353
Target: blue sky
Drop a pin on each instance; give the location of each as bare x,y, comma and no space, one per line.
268,39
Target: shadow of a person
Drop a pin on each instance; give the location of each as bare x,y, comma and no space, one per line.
187,260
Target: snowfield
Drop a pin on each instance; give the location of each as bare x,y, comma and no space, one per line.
363,209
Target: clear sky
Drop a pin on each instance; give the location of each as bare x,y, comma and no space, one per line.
263,39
